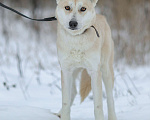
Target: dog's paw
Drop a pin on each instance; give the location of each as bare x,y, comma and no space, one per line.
112,118
57,114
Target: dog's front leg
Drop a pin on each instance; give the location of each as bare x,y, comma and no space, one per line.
96,84
66,81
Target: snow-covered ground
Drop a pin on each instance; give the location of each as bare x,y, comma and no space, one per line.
31,100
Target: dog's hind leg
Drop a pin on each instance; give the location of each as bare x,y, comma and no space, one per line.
74,91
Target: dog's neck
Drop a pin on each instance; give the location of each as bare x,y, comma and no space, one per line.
94,29
85,30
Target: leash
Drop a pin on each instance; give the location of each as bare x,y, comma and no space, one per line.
15,11
95,31
45,19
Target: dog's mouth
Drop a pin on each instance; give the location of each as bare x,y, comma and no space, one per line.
73,28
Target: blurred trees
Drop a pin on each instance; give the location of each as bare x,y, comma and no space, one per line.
129,21
130,24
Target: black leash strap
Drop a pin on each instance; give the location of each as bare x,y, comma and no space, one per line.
15,11
95,31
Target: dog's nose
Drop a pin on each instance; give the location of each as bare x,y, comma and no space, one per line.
73,24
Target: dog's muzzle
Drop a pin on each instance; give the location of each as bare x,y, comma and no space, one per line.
73,25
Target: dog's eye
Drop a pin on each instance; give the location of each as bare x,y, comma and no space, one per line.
67,8
83,9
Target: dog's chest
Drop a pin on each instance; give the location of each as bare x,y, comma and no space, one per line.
77,52
77,55
73,52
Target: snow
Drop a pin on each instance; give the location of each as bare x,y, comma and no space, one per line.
25,113
32,113
141,112
42,100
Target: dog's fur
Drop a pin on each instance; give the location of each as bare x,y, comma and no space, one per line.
82,51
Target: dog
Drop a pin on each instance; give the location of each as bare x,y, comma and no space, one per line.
82,52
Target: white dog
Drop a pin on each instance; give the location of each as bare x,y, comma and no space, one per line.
81,50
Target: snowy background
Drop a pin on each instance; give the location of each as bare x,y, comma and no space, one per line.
30,74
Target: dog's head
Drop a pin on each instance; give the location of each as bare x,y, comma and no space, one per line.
76,15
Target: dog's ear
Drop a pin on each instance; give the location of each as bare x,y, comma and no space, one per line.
57,1
94,2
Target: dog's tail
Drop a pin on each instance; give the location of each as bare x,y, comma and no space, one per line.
85,85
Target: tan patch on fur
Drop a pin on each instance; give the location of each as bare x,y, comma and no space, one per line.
85,85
